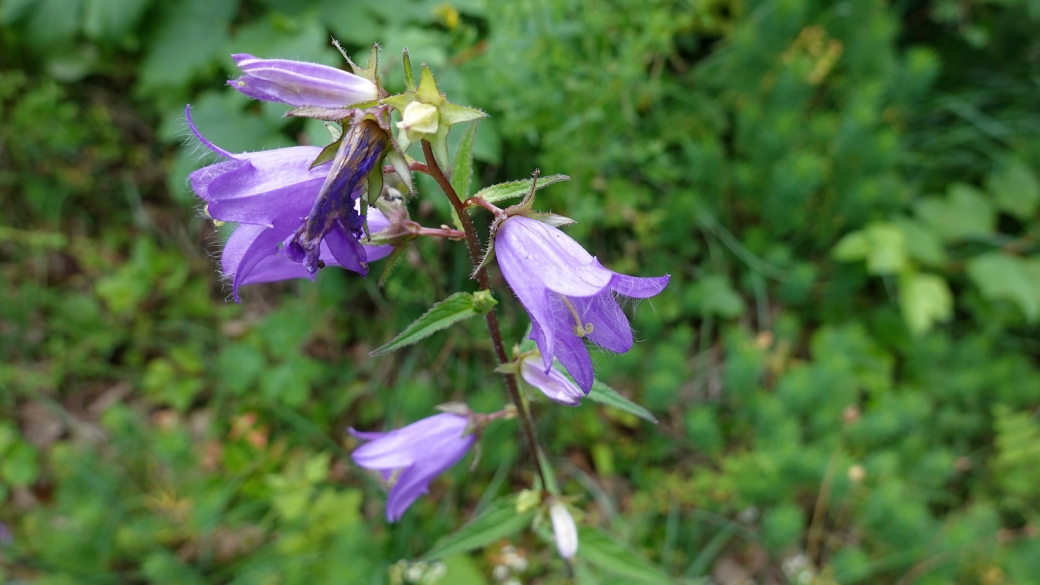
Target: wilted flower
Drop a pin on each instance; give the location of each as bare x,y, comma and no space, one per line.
552,383
567,293
299,83
564,530
270,194
412,456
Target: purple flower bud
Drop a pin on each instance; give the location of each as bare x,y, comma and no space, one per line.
568,294
299,83
552,383
412,456
270,194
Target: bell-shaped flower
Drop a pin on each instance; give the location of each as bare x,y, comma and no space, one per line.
270,195
299,83
568,294
412,456
552,383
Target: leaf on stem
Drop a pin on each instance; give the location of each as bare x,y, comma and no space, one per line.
604,394
501,519
598,548
501,191
444,314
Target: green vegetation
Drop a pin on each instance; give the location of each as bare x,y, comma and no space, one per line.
845,366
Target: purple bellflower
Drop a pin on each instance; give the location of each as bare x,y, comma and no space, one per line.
552,383
287,213
568,294
299,83
412,456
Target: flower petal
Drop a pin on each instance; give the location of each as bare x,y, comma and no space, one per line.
553,384
570,349
610,327
638,287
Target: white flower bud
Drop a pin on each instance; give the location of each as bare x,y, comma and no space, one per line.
564,530
419,119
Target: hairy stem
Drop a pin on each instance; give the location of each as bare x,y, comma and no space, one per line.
473,242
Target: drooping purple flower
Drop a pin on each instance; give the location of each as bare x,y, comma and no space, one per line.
299,83
335,210
568,294
412,456
552,383
270,194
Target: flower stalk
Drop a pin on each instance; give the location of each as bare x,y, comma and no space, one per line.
475,253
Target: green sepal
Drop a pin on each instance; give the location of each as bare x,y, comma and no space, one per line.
375,186
483,302
409,77
457,307
327,154
327,114
391,263
399,161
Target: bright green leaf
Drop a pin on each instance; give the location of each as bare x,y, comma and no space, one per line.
444,314
963,213
500,520
1001,276
881,244
191,35
922,243
20,465
604,394
924,299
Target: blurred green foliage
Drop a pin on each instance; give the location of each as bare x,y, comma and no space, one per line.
844,366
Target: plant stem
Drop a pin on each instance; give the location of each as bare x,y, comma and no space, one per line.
473,242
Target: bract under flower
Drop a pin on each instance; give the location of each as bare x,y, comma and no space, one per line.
412,456
299,83
269,194
567,293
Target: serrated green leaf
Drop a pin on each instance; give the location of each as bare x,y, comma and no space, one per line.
462,174
502,191
600,549
444,314
500,520
608,396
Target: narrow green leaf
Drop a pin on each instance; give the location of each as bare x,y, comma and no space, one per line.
462,174
604,394
444,314
501,191
501,519
599,549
